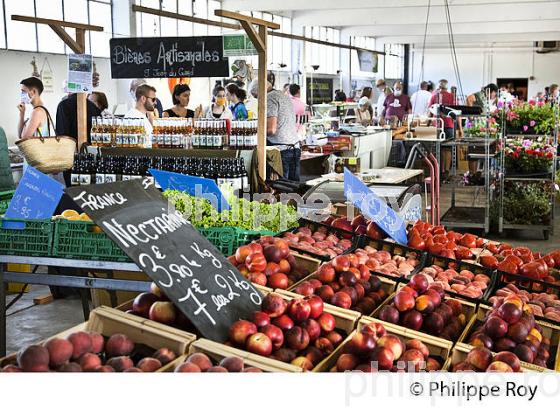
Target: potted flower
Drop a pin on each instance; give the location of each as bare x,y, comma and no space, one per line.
528,157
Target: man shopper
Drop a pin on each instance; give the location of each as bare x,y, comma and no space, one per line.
144,107
397,104
281,127
381,86
37,123
421,100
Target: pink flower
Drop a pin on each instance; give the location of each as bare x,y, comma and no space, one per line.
532,102
532,123
525,128
540,103
500,104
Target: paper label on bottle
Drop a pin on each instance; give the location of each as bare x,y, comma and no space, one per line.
126,177
74,179
110,178
106,138
85,179
99,178
195,140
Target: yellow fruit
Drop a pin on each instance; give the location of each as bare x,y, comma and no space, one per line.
70,213
73,218
84,217
536,334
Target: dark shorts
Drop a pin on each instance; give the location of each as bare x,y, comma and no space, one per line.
291,158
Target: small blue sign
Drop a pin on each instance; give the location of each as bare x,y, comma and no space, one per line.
374,208
195,186
36,197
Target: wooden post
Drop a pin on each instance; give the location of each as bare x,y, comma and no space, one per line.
78,46
259,40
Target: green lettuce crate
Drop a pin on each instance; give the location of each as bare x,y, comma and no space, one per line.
227,240
35,237
84,240
5,198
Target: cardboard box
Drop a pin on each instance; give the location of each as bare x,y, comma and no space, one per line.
439,348
108,321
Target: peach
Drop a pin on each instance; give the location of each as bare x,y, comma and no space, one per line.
34,358
393,343
120,363
89,362
119,345
143,302
495,327
389,314
480,358
414,359
274,305
509,358
327,322
164,355
334,337
240,331
284,355
341,299
60,351
361,344
424,304
297,338
163,312
133,370
324,345
97,342
275,335
404,301
71,367
217,369
201,360
187,368
346,362
252,370
299,310
81,342
412,320
284,322
317,306
418,345
383,358
105,369
313,329
302,362
11,368
500,367
278,281
260,344
149,364
432,365
232,364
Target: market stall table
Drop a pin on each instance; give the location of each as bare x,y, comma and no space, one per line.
386,176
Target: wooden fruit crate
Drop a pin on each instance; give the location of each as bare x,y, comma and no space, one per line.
439,348
461,350
108,321
549,330
388,285
469,310
218,351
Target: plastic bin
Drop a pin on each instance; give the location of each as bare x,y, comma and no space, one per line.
5,198
35,237
227,240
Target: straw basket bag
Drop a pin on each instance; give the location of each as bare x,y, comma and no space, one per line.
48,154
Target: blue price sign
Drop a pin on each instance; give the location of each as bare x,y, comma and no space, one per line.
195,186
374,208
36,197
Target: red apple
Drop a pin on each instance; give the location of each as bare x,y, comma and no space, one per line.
299,310
260,344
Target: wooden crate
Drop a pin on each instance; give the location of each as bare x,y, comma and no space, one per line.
460,351
549,330
469,310
108,321
218,351
439,348
387,285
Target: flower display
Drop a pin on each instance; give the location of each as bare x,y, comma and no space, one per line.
528,203
479,127
528,118
528,156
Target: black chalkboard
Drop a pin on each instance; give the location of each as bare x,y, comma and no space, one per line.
168,57
323,90
185,265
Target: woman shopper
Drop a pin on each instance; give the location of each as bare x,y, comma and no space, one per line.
237,96
218,109
181,97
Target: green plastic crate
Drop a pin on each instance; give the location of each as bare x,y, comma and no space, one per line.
35,239
84,240
5,198
227,240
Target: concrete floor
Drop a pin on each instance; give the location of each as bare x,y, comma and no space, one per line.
27,323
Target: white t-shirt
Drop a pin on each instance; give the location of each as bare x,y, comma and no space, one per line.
134,113
420,102
380,104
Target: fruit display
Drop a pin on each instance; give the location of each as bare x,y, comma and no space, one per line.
346,283
481,359
73,215
522,261
465,282
359,226
373,349
543,304
437,241
319,240
422,306
91,352
298,331
201,363
510,326
386,263
269,262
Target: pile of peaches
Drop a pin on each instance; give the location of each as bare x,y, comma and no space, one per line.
90,352
422,306
371,349
542,304
480,359
297,331
510,326
345,282
201,363
319,241
464,282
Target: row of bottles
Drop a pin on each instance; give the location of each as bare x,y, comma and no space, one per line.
118,132
243,134
172,133
96,169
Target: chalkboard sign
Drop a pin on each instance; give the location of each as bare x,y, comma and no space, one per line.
168,57
323,90
374,208
36,197
195,186
195,276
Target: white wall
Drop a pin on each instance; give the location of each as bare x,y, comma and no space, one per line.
480,66
15,66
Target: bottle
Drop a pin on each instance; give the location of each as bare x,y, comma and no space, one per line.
87,170
127,170
93,136
196,135
203,134
75,172
100,170
110,170
244,175
155,132
233,136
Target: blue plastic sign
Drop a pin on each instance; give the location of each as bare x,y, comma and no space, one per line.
195,186
374,208
36,197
